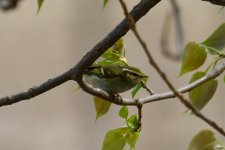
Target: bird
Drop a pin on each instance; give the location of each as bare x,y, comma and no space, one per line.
113,77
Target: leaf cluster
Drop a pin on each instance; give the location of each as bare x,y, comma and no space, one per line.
118,138
205,140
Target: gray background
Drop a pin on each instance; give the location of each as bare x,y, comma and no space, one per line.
34,48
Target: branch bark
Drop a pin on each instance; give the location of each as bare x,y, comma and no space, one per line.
216,2
35,90
211,75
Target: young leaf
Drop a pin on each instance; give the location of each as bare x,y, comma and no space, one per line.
107,53
205,140
117,61
101,106
123,112
217,39
137,87
105,2
131,138
119,47
202,94
114,140
224,79
194,57
40,2
133,121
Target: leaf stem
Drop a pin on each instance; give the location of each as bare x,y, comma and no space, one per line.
138,128
214,63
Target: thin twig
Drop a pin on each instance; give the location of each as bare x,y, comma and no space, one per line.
162,96
145,86
178,27
138,128
163,75
164,41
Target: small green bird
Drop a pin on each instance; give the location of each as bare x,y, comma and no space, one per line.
114,78
113,73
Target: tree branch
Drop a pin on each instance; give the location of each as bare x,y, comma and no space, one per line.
35,90
184,101
159,96
211,75
216,2
138,128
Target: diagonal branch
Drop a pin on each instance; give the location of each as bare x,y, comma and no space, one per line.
216,2
184,101
120,30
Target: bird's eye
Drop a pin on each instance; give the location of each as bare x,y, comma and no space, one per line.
134,74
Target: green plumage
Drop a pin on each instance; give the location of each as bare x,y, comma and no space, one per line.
112,73
113,78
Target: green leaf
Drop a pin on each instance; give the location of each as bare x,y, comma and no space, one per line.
202,94
205,140
224,79
107,53
105,2
114,140
217,39
137,87
40,2
115,61
123,112
119,47
194,56
101,106
133,121
123,130
131,138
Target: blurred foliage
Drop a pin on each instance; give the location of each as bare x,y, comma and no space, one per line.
205,140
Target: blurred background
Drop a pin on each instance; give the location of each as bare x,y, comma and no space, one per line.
34,48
